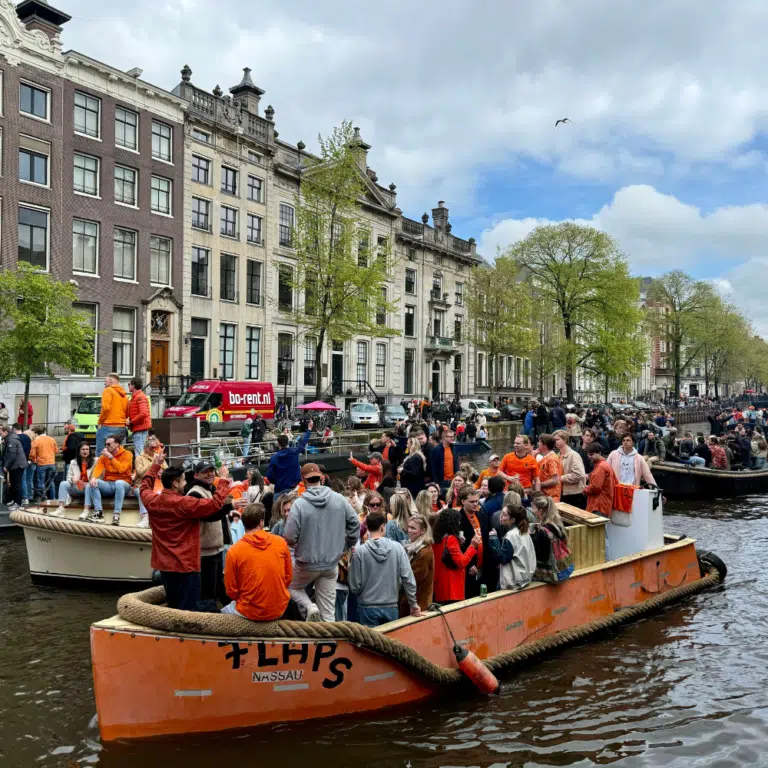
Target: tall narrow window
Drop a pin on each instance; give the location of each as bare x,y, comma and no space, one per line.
409,371
85,246
381,309
200,262
228,180
381,365
227,350
161,141
310,355
123,340
126,128
254,229
87,115
410,321
33,237
253,284
363,247
252,352
410,281
460,294
160,260
310,295
228,221
285,225
362,361
125,254
284,288
255,189
125,185
284,359
201,214
228,277
458,322
201,170
86,175
160,200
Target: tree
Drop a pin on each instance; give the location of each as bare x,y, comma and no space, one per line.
40,330
339,276
547,355
499,309
583,276
681,307
722,330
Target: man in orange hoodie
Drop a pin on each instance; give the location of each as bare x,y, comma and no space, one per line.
111,476
43,455
114,411
258,572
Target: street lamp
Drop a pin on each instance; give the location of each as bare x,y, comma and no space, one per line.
285,364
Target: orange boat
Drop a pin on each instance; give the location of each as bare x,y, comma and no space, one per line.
191,672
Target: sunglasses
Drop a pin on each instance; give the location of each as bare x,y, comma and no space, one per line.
374,505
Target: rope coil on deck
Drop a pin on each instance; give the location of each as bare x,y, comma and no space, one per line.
77,528
144,608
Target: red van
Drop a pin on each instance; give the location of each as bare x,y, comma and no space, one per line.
222,405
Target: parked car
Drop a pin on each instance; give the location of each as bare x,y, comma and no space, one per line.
511,412
471,407
441,412
641,406
364,414
87,414
392,414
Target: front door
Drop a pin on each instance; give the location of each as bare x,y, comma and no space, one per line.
435,380
337,372
159,365
197,358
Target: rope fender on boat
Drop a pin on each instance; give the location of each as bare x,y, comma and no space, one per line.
96,530
145,609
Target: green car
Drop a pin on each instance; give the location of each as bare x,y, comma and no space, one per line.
87,414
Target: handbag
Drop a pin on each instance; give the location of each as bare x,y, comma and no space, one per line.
447,559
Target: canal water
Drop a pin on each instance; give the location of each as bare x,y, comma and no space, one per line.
684,687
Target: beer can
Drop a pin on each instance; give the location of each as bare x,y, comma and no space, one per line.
483,590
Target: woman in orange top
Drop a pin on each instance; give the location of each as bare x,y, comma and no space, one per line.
550,468
520,465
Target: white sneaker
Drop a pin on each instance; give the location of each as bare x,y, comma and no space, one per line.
313,614
58,512
97,517
144,522
13,506
85,514
25,502
115,518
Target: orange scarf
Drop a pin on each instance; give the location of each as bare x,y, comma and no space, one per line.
83,476
475,523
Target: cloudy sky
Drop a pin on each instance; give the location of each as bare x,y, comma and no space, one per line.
666,149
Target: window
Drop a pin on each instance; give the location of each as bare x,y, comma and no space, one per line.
228,277
480,377
123,337
284,359
33,237
410,321
382,251
253,282
310,294
460,294
363,244
381,309
161,141
361,368
255,189
228,222
125,254
200,262
125,186
254,228
86,178
457,364
381,365
252,352
310,356
201,170
408,374
227,350
87,115
284,288
228,180
410,281
33,167
411,254
34,101
201,135
160,199
437,287
92,311
160,260
457,323
285,227
438,323
254,157
201,214
85,247
126,128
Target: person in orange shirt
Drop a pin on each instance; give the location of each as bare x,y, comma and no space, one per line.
491,470
114,411
444,461
111,476
258,572
43,454
520,465
550,468
602,482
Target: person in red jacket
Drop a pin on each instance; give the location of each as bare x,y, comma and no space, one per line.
450,562
373,470
175,522
30,413
602,482
139,420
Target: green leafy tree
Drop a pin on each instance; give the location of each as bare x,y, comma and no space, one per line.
340,274
680,310
500,317
40,330
722,332
580,273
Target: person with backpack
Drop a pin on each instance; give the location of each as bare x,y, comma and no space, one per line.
554,561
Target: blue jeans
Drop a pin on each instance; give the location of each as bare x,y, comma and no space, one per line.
138,439
759,462
68,489
341,604
118,489
246,446
28,481
694,461
45,481
102,433
376,615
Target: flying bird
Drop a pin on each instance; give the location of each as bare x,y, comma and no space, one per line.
564,120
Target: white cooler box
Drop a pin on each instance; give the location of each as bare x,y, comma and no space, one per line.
641,530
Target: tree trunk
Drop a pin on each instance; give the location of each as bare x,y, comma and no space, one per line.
717,396
492,375
568,333
606,389
25,405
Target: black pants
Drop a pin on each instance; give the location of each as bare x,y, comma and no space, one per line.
182,590
212,578
15,482
576,500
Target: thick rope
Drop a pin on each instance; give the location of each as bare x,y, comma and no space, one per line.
95,530
144,609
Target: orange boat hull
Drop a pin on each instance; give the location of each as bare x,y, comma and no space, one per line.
149,682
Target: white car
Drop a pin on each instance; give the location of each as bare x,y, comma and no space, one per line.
473,406
364,415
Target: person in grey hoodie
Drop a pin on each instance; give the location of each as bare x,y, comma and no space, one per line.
321,525
14,463
377,571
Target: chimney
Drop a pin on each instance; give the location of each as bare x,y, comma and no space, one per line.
440,216
247,93
37,14
360,149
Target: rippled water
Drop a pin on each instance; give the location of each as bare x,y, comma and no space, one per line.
686,687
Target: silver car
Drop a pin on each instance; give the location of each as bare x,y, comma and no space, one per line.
364,415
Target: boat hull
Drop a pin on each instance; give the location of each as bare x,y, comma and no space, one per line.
679,481
148,682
